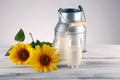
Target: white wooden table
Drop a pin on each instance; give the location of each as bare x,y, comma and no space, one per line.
100,62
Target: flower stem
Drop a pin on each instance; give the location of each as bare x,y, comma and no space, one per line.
31,36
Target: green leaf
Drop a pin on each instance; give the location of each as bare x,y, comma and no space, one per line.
47,43
33,44
20,36
40,43
7,54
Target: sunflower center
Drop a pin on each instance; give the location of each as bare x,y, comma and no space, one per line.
23,55
44,60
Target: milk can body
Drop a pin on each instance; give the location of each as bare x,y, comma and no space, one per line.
66,16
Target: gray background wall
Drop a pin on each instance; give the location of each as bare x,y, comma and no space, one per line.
40,17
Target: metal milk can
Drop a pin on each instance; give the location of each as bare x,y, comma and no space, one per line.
70,20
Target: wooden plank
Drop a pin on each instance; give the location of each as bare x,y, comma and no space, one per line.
89,69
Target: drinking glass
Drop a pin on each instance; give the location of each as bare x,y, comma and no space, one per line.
74,50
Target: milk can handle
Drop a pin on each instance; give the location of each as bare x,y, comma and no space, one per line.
64,17
82,10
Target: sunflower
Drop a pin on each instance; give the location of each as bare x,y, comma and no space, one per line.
20,53
44,59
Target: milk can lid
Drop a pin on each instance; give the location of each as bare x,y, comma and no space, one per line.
69,10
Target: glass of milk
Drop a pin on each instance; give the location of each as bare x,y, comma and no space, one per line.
73,50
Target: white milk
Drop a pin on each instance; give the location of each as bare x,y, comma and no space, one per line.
74,56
